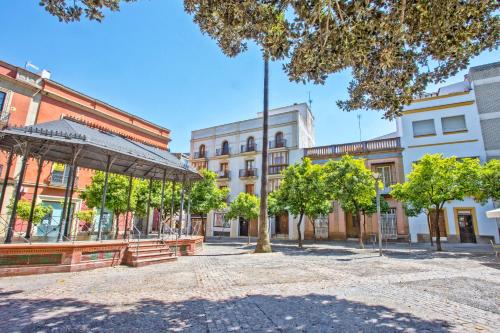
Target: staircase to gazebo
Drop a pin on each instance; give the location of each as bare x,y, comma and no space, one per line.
148,252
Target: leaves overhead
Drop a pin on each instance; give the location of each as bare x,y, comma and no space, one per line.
394,48
245,205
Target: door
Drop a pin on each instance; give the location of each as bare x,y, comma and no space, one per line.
282,224
49,227
321,226
243,227
466,227
352,225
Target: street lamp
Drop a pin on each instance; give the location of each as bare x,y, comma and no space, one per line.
377,177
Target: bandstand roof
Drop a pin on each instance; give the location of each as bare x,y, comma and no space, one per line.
59,140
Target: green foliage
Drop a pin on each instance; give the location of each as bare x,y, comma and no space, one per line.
206,196
245,205
142,195
372,208
351,183
489,182
274,205
86,215
433,181
394,48
24,208
303,192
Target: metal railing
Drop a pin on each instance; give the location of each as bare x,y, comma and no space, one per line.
224,174
353,148
277,144
248,172
222,151
277,169
248,148
200,154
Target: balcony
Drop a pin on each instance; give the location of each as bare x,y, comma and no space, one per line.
248,148
355,148
246,173
224,174
277,169
277,144
200,154
222,151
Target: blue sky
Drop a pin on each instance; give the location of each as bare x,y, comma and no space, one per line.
151,60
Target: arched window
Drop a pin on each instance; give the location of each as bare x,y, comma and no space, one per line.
225,148
278,137
250,143
201,151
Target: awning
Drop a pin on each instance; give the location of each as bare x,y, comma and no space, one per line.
59,140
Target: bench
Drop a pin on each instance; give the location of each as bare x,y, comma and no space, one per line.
496,248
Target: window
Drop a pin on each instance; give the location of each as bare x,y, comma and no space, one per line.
250,188
423,128
278,137
273,185
278,158
249,164
389,224
385,172
250,142
225,146
224,166
3,98
202,150
453,124
60,174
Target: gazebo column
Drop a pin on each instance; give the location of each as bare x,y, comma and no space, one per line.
62,222
188,226
17,192
162,201
128,206
148,208
69,220
172,206
182,206
33,201
6,179
103,199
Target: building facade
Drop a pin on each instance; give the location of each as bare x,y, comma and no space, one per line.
461,120
27,98
234,152
382,155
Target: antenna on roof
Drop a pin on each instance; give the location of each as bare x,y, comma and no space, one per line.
310,100
359,125
29,65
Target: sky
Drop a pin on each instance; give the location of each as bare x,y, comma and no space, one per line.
151,60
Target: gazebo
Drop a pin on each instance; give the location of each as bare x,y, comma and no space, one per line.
79,144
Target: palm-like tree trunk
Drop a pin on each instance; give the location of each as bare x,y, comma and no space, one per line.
263,242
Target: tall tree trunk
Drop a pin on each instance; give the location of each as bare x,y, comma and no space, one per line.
204,227
314,230
361,244
263,242
430,228
438,234
298,229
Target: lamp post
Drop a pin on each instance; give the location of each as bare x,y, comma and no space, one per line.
376,175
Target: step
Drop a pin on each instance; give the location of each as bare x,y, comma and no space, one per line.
151,261
135,256
147,247
146,243
146,250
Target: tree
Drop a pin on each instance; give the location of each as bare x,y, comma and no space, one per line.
244,206
489,182
206,196
302,192
24,208
435,180
86,216
352,184
394,48
369,210
116,194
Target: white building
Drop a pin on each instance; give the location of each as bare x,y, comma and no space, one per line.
234,152
461,120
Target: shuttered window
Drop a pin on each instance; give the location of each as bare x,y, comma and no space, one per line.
453,124
424,127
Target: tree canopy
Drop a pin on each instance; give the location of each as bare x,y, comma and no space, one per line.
433,181
24,208
394,48
302,192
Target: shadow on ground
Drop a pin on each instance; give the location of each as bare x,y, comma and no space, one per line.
254,313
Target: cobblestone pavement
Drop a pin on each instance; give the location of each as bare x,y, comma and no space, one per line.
324,288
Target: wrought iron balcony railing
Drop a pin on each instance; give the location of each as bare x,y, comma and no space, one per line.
248,148
200,154
224,174
277,169
222,151
361,147
277,144
248,173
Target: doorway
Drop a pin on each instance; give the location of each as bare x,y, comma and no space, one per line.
352,225
243,227
466,226
282,224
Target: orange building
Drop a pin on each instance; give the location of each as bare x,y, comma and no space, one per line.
384,156
27,98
